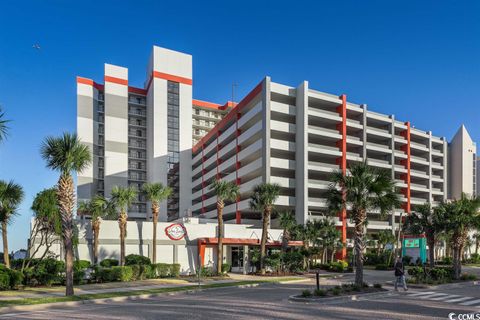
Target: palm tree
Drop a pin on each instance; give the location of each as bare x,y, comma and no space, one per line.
123,197
66,154
424,220
384,237
11,195
364,189
98,208
263,199
288,224
330,237
225,191
3,125
476,237
459,217
156,193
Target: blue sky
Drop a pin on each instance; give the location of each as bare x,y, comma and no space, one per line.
418,60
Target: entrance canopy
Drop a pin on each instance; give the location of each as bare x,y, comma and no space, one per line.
204,242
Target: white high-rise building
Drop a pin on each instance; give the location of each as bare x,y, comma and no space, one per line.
294,136
463,164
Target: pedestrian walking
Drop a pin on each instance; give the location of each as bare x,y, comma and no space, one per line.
400,274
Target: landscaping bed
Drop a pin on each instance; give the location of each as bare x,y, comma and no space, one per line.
435,276
347,289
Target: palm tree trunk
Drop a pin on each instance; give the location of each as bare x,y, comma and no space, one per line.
155,210
6,257
431,250
263,242
66,200
358,243
477,244
122,222
220,206
96,232
332,255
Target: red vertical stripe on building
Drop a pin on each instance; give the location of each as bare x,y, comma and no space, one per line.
238,215
342,110
203,179
408,167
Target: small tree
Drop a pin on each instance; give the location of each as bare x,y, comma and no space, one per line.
476,237
47,224
122,198
225,191
263,199
11,195
424,220
156,193
364,189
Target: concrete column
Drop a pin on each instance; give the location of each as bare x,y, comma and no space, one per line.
430,197
364,107
392,147
301,154
446,182
116,127
266,93
87,122
246,262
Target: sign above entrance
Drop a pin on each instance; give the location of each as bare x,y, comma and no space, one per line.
412,243
176,231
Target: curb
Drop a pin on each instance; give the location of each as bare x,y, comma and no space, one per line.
42,306
353,297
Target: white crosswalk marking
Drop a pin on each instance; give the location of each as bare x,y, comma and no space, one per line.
433,295
469,303
445,297
459,299
416,294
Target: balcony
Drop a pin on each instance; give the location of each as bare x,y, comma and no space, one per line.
141,156
138,101
135,112
137,177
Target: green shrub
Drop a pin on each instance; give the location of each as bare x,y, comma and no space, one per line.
273,261
320,292
123,274
206,272
439,273
416,272
467,276
339,266
474,258
306,293
163,270
81,264
4,280
293,261
377,285
104,275
407,260
107,263
132,259
44,272
174,270
336,291
446,260
226,267
150,272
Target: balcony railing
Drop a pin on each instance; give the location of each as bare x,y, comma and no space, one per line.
137,112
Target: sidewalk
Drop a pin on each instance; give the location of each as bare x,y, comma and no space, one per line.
59,291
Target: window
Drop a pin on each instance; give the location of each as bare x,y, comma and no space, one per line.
139,133
173,147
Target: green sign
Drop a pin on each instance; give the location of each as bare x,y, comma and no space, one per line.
412,243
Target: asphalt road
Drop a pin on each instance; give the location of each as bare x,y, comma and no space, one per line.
271,302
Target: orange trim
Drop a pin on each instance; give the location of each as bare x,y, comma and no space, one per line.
171,77
116,80
244,241
85,81
137,91
205,104
201,252
228,117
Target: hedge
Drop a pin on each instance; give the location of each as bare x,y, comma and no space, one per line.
132,259
107,263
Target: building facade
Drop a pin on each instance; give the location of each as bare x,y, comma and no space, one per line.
293,136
